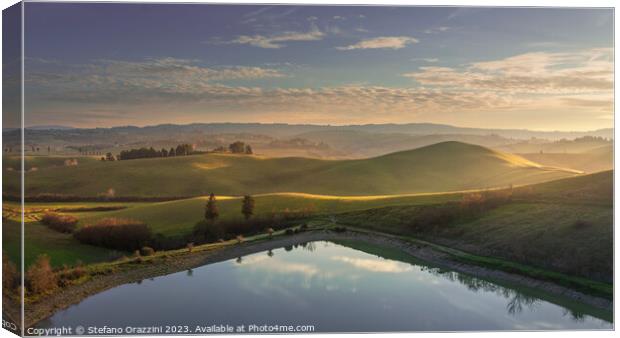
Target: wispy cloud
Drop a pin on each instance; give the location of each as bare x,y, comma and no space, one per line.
437,29
275,41
429,60
384,42
541,72
375,265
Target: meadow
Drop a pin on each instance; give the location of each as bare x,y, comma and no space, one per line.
442,167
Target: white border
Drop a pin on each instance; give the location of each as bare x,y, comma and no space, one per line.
486,3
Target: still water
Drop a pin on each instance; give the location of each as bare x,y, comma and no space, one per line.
334,287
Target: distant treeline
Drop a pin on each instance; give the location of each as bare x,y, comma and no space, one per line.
180,150
185,149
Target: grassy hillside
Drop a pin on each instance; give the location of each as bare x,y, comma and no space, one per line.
61,248
179,217
447,166
564,225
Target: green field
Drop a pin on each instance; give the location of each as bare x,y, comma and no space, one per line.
61,248
564,225
447,166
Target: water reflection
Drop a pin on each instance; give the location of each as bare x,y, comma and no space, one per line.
334,287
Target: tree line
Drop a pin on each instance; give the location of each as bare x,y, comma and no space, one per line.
131,154
184,149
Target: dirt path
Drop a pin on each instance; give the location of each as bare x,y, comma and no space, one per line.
74,294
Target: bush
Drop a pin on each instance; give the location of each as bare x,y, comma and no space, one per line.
40,277
67,275
147,251
9,273
58,222
115,233
430,218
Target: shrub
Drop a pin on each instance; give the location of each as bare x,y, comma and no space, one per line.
9,273
430,218
40,277
68,275
147,251
115,233
58,222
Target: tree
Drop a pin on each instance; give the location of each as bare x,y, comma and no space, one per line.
164,152
237,147
248,150
172,152
40,277
211,212
247,208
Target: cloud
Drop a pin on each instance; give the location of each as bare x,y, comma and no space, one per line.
140,86
375,265
277,41
533,73
135,81
437,29
578,83
384,42
429,60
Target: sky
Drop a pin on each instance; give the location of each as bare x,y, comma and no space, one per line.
102,65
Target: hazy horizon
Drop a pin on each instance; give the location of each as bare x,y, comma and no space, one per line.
309,124
103,65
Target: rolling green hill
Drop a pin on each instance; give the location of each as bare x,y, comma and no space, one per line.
442,167
564,225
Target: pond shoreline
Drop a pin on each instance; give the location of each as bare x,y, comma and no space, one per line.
38,311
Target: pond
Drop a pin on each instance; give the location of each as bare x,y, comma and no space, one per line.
332,286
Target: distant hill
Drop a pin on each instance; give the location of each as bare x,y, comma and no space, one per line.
128,134
447,166
597,159
49,127
363,144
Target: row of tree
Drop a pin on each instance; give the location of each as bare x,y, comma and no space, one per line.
132,154
237,147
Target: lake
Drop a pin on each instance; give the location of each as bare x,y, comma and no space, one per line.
335,287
